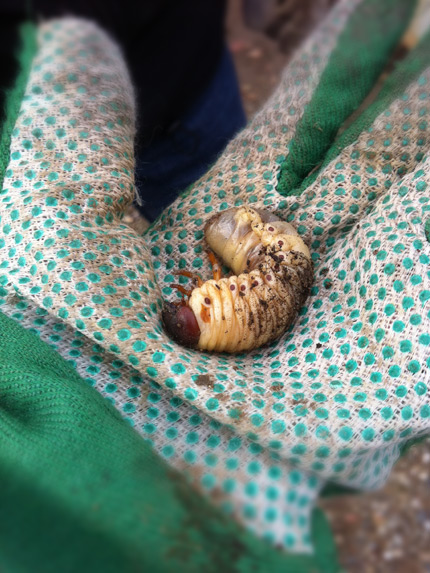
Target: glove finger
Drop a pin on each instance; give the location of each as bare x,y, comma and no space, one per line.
387,141
68,182
361,53
401,81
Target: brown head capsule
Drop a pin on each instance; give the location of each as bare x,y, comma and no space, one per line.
181,324
272,276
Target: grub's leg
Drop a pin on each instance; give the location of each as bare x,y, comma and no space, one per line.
195,277
216,268
181,289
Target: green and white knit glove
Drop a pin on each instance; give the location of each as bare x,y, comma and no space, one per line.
348,385
272,498
83,492
339,394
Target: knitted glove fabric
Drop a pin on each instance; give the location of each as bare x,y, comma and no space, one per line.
326,398
271,497
83,492
348,384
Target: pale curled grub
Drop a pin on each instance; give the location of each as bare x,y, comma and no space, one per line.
272,277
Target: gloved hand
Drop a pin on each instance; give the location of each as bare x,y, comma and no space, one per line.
341,392
325,398
77,254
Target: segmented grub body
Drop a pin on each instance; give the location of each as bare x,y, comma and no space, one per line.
272,276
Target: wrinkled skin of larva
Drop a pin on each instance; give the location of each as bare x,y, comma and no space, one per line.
272,276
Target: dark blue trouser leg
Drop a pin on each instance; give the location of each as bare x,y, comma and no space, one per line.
172,163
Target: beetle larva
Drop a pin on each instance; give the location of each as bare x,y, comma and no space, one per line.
272,276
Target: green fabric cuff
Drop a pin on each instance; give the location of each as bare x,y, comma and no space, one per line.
83,492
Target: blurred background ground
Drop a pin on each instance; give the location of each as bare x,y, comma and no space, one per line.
387,531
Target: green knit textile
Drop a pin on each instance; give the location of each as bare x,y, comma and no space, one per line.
24,56
404,74
83,492
363,48
80,488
